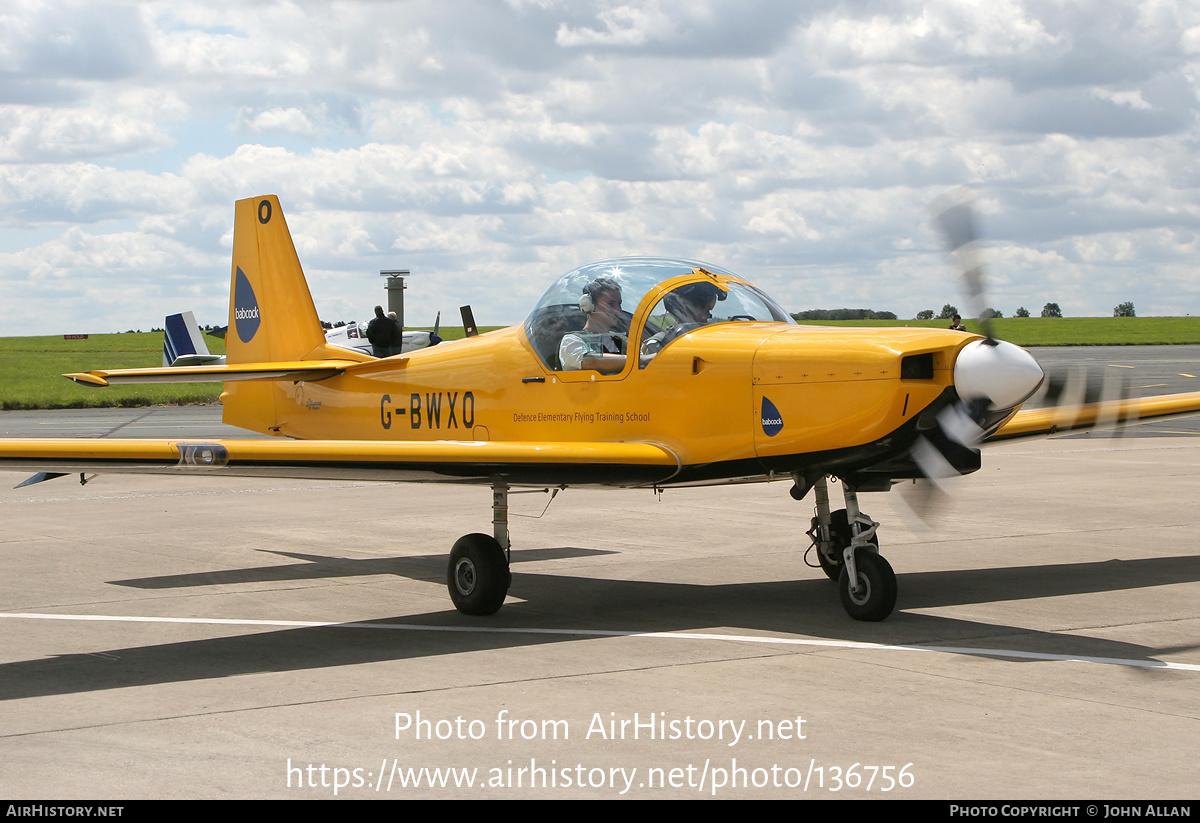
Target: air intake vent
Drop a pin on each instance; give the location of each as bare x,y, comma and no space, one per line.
917,367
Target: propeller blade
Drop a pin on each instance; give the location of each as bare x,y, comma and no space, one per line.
950,447
942,453
990,376
1087,399
954,213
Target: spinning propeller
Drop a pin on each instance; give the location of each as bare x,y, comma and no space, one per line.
991,376
955,216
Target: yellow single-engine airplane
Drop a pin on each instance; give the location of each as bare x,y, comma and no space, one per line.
634,372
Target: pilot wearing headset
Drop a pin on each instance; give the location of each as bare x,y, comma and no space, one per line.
597,346
690,306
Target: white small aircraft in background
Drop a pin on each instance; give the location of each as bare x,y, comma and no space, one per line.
183,342
354,336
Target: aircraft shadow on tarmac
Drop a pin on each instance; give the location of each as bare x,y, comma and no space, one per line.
316,566
562,602
922,590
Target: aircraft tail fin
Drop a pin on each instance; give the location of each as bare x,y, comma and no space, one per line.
271,313
272,318
273,338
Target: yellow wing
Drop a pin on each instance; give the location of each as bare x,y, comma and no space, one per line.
614,464
1033,422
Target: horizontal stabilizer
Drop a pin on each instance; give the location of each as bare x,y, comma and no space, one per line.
294,370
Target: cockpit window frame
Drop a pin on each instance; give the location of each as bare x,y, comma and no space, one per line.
689,272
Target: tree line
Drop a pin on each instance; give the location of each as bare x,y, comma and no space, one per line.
948,311
843,314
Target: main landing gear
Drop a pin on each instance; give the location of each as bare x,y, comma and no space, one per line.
478,575
847,549
848,552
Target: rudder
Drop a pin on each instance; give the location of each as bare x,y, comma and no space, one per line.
271,313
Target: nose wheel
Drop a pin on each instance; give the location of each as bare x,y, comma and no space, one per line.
873,595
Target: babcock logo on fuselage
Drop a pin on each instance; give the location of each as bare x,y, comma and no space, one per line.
772,420
245,308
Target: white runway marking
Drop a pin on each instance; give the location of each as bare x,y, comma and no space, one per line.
735,638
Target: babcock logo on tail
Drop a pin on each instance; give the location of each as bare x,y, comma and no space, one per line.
772,420
245,308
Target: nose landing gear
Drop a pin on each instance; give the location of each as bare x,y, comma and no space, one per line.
848,552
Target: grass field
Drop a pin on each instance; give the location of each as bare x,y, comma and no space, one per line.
31,370
31,367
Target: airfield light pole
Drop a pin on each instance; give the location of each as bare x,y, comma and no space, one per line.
395,292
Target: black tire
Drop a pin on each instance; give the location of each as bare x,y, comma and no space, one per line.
478,575
878,598
840,531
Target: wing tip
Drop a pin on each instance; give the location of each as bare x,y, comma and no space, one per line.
87,379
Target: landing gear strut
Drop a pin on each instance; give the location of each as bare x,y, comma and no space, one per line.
848,552
478,574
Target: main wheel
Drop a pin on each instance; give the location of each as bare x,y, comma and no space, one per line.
877,593
840,531
478,575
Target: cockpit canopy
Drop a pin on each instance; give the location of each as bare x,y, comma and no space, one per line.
564,307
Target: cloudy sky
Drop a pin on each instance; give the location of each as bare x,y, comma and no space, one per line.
491,145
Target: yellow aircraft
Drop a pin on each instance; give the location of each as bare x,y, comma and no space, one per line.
635,372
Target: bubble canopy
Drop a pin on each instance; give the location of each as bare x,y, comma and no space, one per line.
558,311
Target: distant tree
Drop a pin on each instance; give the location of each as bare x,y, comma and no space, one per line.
993,312
1124,310
926,314
1022,312
948,311
1051,310
844,314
